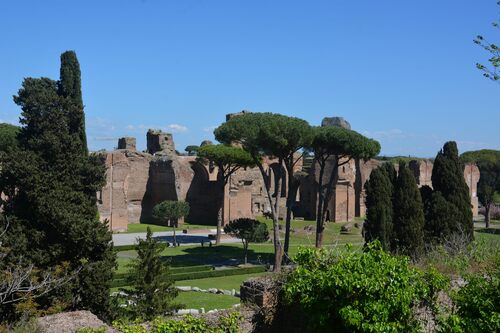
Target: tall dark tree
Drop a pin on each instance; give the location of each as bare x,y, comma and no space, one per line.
50,188
408,218
448,178
70,86
378,223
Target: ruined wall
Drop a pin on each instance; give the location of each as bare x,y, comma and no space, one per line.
136,182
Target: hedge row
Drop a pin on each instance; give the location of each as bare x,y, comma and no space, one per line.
121,281
174,270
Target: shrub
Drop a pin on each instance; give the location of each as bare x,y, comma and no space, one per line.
189,324
370,291
477,304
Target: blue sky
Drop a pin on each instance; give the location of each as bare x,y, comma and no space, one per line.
402,72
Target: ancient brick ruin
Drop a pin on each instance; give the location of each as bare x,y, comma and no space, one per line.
136,181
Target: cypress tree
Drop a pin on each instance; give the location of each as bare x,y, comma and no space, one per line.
448,179
378,224
408,215
50,187
70,86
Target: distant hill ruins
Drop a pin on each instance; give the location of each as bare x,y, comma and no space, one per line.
136,181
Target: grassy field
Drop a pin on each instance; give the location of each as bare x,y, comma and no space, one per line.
224,282
261,253
232,254
197,300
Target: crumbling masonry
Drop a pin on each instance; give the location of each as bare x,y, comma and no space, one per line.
136,181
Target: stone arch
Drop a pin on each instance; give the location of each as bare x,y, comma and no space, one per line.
273,171
203,196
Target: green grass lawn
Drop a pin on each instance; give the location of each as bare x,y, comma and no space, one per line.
223,282
197,300
142,227
258,252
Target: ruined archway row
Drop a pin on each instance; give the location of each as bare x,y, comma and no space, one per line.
136,181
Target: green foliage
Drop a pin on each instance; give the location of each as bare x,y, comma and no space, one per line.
192,149
50,184
342,142
378,224
491,73
437,212
226,157
189,324
477,304
488,188
92,330
170,211
248,230
448,179
8,137
408,220
70,86
370,291
153,288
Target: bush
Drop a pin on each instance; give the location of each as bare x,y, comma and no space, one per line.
477,304
370,291
189,324
173,270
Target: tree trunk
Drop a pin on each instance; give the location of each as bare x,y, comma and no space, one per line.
245,246
319,210
487,215
290,200
220,216
174,224
276,234
332,182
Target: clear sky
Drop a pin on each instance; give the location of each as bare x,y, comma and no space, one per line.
402,72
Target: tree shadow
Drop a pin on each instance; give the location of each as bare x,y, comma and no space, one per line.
492,231
221,255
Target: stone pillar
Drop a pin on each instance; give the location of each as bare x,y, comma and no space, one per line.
127,143
160,142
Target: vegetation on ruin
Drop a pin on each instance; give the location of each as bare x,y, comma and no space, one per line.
228,323
50,183
228,160
370,291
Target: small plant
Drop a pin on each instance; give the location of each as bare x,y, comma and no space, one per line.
153,289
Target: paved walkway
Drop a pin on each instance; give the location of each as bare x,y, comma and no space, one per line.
167,236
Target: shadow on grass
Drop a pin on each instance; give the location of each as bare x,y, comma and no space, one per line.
489,231
221,255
